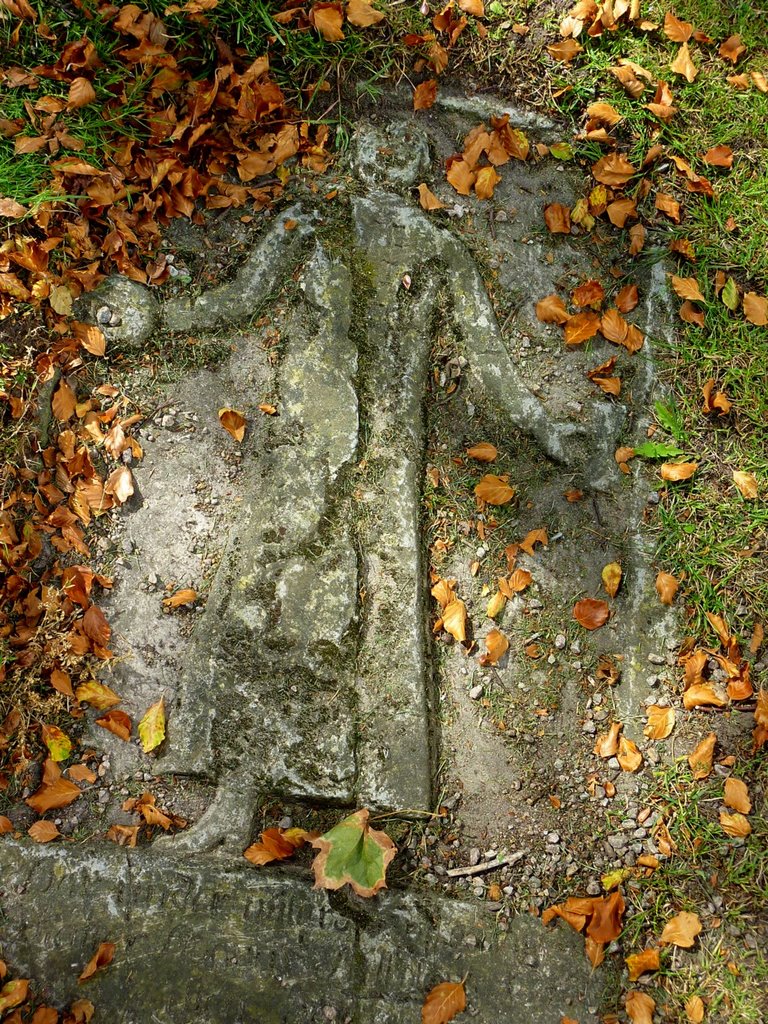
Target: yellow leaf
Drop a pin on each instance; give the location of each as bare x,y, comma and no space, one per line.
327,19
443,1002
485,182
152,727
674,471
737,795
735,825
611,575
58,743
496,605
681,930
455,620
181,597
97,694
233,422
746,484
639,963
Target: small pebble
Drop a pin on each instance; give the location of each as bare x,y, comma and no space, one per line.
560,641
103,314
476,692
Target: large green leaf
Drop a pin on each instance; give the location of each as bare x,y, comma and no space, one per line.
352,853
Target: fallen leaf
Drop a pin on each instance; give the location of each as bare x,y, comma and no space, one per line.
683,65
233,422
607,744
694,1010
63,402
485,182
603,113
637,239
703,695
746,484
483,452
581,327
667,586
6,825
732,48
669,206
81,93
591,293
551,310
620,211
627,298
557,218
628,755
496,605
82,773
736,795
735,825
43,831
152,727
455,620
53,792
58,743
101,958
755,308
714,403
443,1002
591,613
355,854
605,923
691,315
362,15
674,471
661,722
428,200
97,694
116,722
13,993
276,844
687,288
443,593
61,682
119,484
679,32
613,169
124,835
640,963
425,94
496,647
494,490
700,759
639,1007
180,598
565,51
611,576
719,156
531,539
461,176
681,930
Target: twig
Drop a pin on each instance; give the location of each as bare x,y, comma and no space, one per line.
489,865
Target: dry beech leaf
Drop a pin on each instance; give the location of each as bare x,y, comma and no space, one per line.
82,773
483,452
455,620
607,743
694,1010
443,1002
756,308
669,206
691,315
603,113
362,15
6,825
687,288
519,580
565,51
628,756
637,239
97,694
681,930
683,65
700,758
746,484
494,490
591,293
557,218
233,422
640,963
714,403
496,605
54,791
676,30
485,182
627,298
428,200
703,695
43,831
639,1007
735,825
732,48
611,576
101,958
63,402
591,613
620,211
666,587
581,327
719,156
661,722
116,722
443,593
674,471
736,795
461,176
551,310
425,94
614,327
496,645
613,169
276,844
532,538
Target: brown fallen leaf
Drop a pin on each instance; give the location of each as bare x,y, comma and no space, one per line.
494,490
668,205
428,200
43,831
532,538
681,930
519,580
614,327
557,218
736,795
628,755
181,597
483,452
97,695
691,315
116,722
565,51
496,604
637,239
755,308
124,835
63,402
674,471
700,758
581,327
460,175
694,1010
425,94
496,647
443,1002
687,288
719,156
233,422
639,1006
703,695
613,169
276,844
362,15
627,299
551,310
661,722
591,293
667,586
607,744
591,613
679,32
735,825
486,181
101,959
6,825
455,620
683,65
611,576
714,403
54,791
732,48
640,963
746,484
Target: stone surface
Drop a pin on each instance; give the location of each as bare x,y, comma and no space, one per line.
136,307
220,944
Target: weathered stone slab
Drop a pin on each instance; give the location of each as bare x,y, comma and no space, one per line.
220,943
